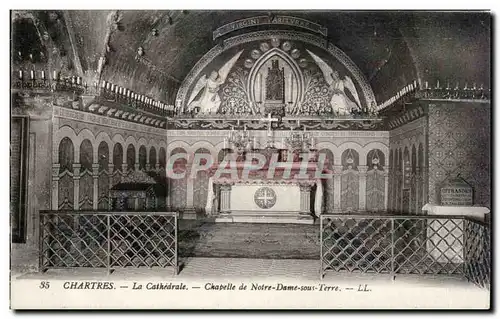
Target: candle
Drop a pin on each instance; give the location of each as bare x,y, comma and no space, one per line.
73,80
43,75
20,74
54,75
32,74
78,80
426,84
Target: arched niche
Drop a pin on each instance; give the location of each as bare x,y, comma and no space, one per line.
294,81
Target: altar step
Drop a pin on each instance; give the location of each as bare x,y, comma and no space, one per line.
264,217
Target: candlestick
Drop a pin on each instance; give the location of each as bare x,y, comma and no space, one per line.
20,74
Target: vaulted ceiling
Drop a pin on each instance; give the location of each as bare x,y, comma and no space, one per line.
392,49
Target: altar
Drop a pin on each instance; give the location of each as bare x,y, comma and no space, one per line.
288,192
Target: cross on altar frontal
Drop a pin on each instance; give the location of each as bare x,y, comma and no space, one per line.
270,120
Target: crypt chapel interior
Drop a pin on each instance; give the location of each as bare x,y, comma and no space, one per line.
395,104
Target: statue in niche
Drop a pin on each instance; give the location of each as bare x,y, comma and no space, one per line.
205,95
341,102
275,83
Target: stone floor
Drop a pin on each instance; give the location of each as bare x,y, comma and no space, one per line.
406,291
248,240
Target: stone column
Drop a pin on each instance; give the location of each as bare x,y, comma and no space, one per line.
124,171
225,198
95,177
111,168
362,187
425,184
148,167
189,188
55,186
386,188
76,181
418,185
337,178
305,199
136,166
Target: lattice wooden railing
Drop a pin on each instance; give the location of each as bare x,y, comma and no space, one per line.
437,245
111,240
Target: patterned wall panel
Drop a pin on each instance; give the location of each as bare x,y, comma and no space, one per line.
459,143
178,192
375,181
407,173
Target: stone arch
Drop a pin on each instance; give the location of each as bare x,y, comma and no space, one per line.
104,154
118,138
131,156
143,157
376,153
376,145
83,135
118,156
177,144
66,154
264,59
61,133
202,64
349,145
204,145
143,142
86,159
152,158
102,137
162,157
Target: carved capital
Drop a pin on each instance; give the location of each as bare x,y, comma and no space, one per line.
95,170
225,187
305,188
337,169
55,170
362,169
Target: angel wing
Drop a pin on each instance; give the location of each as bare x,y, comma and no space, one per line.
349,84
224,71
197,88
325,68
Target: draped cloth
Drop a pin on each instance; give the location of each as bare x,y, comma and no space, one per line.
210,198
318,200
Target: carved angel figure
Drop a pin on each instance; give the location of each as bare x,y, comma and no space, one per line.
340,101
209,100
